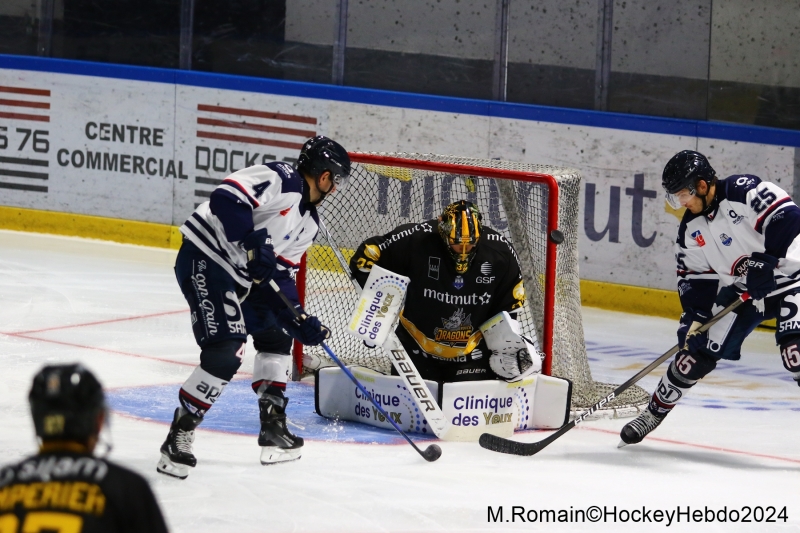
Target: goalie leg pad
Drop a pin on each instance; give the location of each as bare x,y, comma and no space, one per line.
335,396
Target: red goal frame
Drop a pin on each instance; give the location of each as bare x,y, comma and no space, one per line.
552,224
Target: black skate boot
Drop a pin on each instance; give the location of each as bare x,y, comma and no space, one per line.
277,442
636,430
176,452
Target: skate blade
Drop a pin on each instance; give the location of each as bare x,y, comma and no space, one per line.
166,466
271,455
621,444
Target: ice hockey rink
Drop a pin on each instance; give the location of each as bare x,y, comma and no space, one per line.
732,445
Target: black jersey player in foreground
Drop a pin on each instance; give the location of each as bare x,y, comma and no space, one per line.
65,487
738,233
462,274
255,228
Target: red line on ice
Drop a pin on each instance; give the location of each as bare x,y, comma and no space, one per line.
108,350
95,323
704,446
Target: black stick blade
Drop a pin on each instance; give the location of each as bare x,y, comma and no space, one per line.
499,444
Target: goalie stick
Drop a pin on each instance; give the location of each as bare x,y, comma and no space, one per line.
400,360
499,444
431,453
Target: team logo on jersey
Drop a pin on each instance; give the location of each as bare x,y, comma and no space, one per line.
455,329
433,267
285,212
458,282
725,239
735,217
698,238
486,268
458,299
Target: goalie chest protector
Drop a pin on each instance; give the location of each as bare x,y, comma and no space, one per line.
441,305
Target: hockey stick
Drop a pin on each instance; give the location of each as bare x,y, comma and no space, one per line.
399,358
431,453
499,444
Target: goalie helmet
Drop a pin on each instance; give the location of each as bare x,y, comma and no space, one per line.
320,154
460,223
683,171
65,403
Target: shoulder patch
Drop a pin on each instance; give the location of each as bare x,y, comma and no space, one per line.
735,188
291,180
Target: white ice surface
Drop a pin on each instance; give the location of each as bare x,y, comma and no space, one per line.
746,452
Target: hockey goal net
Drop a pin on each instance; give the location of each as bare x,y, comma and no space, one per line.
533,206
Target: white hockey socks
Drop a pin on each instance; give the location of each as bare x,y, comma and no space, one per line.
271,369
200,391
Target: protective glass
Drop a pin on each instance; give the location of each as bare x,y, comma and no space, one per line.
679,198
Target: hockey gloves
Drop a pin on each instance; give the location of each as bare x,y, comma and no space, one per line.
261,262
308,331
761,275
694,340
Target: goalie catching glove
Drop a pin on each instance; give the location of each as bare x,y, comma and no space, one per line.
514,356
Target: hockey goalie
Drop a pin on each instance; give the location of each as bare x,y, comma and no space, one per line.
456,326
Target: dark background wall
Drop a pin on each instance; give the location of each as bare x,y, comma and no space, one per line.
722,60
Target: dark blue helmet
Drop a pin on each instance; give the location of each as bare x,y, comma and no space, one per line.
684,171
320,154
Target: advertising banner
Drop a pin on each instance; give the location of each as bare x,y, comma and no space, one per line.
152,151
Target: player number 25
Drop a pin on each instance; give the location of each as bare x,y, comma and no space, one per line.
763,200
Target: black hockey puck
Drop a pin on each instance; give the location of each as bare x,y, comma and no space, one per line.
556,236
432,453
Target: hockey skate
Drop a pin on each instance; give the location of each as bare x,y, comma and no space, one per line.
277,443
635,431
176,452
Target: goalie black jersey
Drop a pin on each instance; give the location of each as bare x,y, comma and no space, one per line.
76,492
444,310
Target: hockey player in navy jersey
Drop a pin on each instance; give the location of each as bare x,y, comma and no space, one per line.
738,233
256,227
462,274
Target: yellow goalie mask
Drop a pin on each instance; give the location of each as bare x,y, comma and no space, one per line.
460,228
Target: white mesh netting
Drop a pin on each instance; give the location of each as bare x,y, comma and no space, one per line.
380,197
